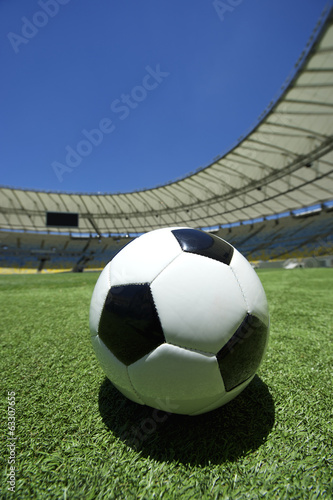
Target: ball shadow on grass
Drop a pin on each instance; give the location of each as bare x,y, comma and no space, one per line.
225,434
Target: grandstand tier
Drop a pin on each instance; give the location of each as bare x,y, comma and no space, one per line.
274,240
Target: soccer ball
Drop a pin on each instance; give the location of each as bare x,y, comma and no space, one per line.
179,321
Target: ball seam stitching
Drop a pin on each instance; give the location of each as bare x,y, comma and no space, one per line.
241,289
190,348
161,271
135,391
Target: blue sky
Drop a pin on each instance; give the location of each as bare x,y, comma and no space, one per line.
118,96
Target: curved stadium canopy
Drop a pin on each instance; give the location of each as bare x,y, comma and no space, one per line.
284,163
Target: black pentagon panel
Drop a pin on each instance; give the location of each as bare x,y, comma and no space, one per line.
240,357
201,243
129,325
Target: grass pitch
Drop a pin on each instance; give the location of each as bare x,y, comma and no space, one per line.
78,438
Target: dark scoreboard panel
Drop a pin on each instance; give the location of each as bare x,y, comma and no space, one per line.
62,219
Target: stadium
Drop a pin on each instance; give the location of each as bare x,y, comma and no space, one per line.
278,210
271,196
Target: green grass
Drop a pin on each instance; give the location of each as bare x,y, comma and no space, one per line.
78,438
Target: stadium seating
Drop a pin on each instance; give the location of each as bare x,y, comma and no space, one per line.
310,235
28,251
293,236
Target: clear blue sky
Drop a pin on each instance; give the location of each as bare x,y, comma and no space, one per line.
170,85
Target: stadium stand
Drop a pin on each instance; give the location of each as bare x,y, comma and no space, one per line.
283,164
289,237
276,240
36,252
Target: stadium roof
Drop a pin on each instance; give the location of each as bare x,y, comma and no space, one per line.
285,162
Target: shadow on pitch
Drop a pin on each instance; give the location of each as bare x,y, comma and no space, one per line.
224,434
